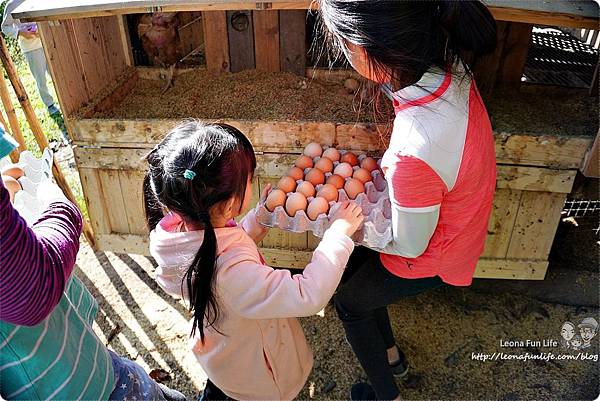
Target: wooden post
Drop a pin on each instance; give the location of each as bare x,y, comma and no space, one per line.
15,129
36,128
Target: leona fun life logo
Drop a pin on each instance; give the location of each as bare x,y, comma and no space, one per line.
578,337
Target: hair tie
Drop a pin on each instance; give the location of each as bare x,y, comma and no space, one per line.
189,175
204,216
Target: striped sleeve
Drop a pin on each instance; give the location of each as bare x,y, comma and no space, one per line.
35,262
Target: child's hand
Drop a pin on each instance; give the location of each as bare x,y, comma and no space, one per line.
265,193
347,219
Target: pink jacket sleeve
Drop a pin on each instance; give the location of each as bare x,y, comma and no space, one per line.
257,291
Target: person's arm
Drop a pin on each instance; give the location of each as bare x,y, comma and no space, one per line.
253,228
416,193
9,26
257,291
36,262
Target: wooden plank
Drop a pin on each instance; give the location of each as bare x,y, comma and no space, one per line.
514,55
515,269
292,41
291,137
124,243
535,225
125,39
114,206
133,200
110,158
591,164
577,14
502,220
240,32
486,67
64,64
92,188
216,44
535,178
57,10
266,40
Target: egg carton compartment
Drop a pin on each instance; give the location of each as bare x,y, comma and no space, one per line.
37,170
375,231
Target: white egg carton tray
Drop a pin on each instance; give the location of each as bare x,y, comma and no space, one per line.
36,171
375,232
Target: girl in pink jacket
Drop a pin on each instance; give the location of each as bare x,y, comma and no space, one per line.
243,332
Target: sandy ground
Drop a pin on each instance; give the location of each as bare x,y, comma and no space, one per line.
439,331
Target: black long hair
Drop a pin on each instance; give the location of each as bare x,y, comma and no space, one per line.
220,159
406,38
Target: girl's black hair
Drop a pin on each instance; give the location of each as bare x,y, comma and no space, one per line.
406,38
220,159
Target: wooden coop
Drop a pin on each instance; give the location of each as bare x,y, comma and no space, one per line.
249,64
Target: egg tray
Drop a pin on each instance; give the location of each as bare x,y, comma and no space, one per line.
375,232
36,170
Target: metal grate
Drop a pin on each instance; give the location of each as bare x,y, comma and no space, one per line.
558,58
582,208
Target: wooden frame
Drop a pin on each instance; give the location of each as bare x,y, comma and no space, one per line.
577,14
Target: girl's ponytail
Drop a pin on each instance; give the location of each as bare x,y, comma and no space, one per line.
200,281
469,26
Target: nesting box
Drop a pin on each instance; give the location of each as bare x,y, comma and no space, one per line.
249,64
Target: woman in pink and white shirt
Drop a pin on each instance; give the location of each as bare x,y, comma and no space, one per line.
440,164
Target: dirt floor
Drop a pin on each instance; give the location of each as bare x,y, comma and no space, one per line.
440,332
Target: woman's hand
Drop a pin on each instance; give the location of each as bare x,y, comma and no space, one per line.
347,219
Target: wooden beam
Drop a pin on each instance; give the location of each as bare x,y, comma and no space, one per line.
576,14
591,163
514,54
240,31
11,114
292,41
266,40
216,44
267,136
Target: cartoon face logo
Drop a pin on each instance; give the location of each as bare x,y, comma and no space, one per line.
568,331
576,342
588,328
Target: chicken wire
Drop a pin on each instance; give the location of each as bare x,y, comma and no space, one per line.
583,208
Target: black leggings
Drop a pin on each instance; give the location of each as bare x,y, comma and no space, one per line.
361,302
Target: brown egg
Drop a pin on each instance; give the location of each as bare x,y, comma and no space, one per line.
306,188
349,158
296,173
276,198
286,184
313,150
13,171
315,176
332,154
12,186
294,203
362,175
344,170
336,180
351,85
317,207
304,162
324,164
353,188
328,192
368,163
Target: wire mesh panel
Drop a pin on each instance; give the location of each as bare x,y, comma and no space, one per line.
583,208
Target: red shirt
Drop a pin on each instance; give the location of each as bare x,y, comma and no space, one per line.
441,157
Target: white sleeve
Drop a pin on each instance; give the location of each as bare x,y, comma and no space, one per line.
412,230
